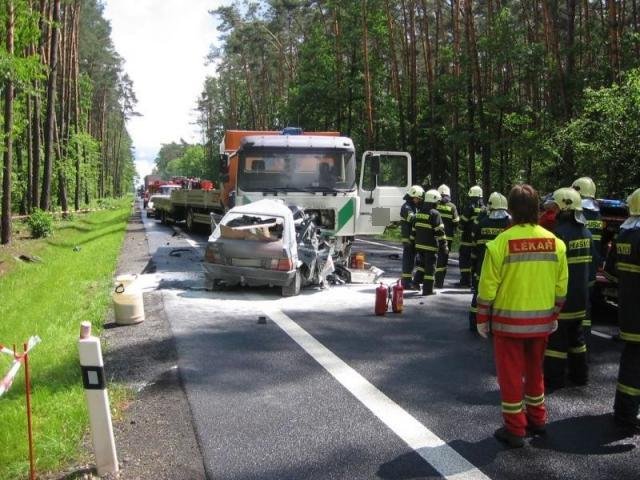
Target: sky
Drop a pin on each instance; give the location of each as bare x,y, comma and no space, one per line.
164,44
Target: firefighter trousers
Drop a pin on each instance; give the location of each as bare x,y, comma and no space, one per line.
519,369
473,309
586,322
426,271
627,399
441,265
566,350
464,260
408,263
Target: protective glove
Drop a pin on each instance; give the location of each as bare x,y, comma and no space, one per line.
483,329
554,326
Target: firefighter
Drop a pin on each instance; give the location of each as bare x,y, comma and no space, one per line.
549,212
450,219
467,219
566,348
428,232
624,263
586,187
523,284
413,198
485,230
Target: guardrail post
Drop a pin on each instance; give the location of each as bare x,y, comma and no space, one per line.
95,390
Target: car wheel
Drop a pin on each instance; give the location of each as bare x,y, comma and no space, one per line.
293,288
189,220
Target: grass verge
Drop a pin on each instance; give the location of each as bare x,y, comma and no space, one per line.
50,299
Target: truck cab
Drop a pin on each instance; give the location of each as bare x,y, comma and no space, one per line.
319,173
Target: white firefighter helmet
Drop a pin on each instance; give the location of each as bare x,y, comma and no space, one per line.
497,201
634,202
415,191
585,186
432,196
444,190
475,191
567,199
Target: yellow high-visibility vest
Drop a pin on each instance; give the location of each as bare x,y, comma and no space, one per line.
523,283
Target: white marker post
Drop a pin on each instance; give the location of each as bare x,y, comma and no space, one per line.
95,390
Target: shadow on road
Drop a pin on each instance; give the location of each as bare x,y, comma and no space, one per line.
585,435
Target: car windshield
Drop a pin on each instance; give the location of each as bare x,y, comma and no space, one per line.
295,170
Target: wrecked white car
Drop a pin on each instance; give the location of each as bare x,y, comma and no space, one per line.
267,243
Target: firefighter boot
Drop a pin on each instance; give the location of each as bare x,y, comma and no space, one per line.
427,287
508,438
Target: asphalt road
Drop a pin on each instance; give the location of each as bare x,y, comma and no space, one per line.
327,390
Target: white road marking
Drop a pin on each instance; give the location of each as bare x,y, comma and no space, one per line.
601,334
429,446
193,243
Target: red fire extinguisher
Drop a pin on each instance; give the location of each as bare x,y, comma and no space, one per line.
397,298
382,299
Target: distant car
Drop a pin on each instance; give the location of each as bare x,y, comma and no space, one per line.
268,243
164,192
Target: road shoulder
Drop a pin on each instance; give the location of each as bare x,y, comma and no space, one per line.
156,437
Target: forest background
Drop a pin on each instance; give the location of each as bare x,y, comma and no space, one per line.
478,91
66,100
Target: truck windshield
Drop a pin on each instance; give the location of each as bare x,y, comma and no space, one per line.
276,169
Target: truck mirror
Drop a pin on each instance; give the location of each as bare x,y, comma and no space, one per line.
375,164
224,163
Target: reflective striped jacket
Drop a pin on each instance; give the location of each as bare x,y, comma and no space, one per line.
596,227
407,212
467,219
428,230
624,263
523,283
484,231
450,218
580,250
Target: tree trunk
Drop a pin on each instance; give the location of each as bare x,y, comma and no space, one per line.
395,76
367,76
29,133
45,199
62,179
5,235
614,41
76,109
